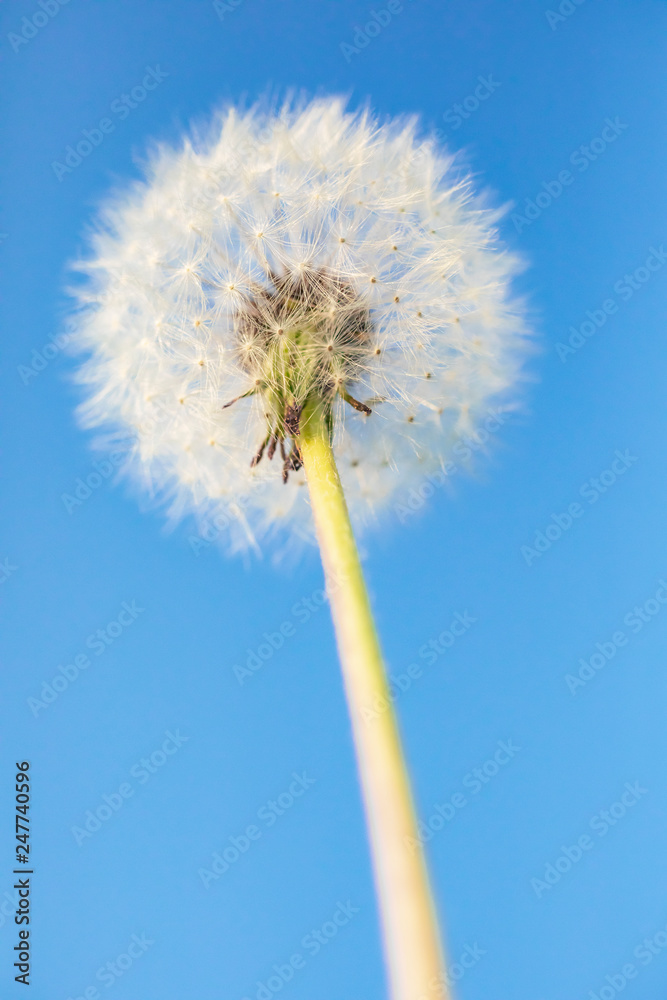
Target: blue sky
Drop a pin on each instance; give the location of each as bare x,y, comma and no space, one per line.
551,874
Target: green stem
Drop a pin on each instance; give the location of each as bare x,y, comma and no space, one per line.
410,931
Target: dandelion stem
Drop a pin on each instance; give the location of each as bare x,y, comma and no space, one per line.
410,931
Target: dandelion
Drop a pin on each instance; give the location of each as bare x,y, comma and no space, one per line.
306,309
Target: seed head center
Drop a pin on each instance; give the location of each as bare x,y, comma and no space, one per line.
306,338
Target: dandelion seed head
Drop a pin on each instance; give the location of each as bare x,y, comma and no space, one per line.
306,252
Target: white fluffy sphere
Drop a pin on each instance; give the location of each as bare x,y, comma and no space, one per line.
274,223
